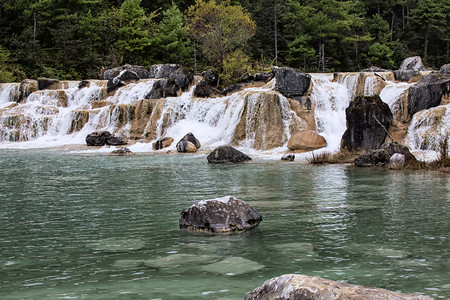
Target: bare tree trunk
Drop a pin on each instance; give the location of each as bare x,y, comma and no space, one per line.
425,47
392,25
34,26
275,32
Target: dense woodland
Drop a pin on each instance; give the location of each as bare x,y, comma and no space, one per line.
76,39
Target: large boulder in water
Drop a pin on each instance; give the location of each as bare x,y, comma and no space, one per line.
189,137
382,156
162,143
227,154
428,92
162,70
291,82
140,71
294,286
221,215
306,140
182,77
101,138
368,119
164,88
186,147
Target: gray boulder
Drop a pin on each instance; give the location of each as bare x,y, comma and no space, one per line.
124,77
98,138
382,156
263,76
162,70
164,88
290,82
409,68
227,154
182,77
368,118
302,287
140,71
189,137
162,143
204,90
428,92
222,215
210,77
116,140
445,69
122,151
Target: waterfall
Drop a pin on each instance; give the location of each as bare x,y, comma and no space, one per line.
9,92
331,100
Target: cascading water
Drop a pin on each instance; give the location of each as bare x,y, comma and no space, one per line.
9,93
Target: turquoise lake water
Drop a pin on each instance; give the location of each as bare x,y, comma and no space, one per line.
79,226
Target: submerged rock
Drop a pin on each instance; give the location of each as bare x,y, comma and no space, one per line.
122,151
292,286
164,88
227,154
383,155
162,143
119,245
221,215
368,119
291,82
428,92
288,157
306,140
233,266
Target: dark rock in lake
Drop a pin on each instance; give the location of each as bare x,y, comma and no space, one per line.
164,88
182,77
162,70
183,146
122,151
227,154
116,140
382,156
47,83
428,92
210,77
204,90
162,143
368,119
222,215
445,69
288,157
98,138
140,71
302,287
291,82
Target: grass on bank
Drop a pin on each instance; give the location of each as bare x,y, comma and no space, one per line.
344,156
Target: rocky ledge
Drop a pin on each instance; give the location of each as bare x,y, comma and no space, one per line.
291,287
221,215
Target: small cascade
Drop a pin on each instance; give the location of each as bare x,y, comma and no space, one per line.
428,129
331,99
395,95
9,92
350,82
370,84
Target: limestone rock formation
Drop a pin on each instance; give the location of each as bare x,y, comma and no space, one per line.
162,70
227,154
368,118
122,151
293,286
27,86
182,77
291,82
140,71
382,156
221,215
162,143
101,138
428,92
164,88
47,83
306,140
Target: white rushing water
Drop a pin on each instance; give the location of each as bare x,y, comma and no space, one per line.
64,116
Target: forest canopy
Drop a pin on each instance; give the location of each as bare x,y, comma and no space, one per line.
77,39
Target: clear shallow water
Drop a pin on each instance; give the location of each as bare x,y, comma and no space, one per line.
104,227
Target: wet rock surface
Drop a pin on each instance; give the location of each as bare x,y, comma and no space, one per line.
164,88
306,140
382,156
293,286
204,90
368,118
162,143
162,70
124,77
182,77
184,145
227,154
221,215
122,151
428,92
291,82
47,83
140,71
288,157
102,138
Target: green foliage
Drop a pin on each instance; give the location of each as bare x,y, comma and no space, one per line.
235,65
380,55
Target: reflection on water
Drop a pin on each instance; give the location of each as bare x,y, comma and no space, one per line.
96,227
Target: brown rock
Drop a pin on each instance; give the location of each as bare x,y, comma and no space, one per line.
314,288
307,140
162,143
